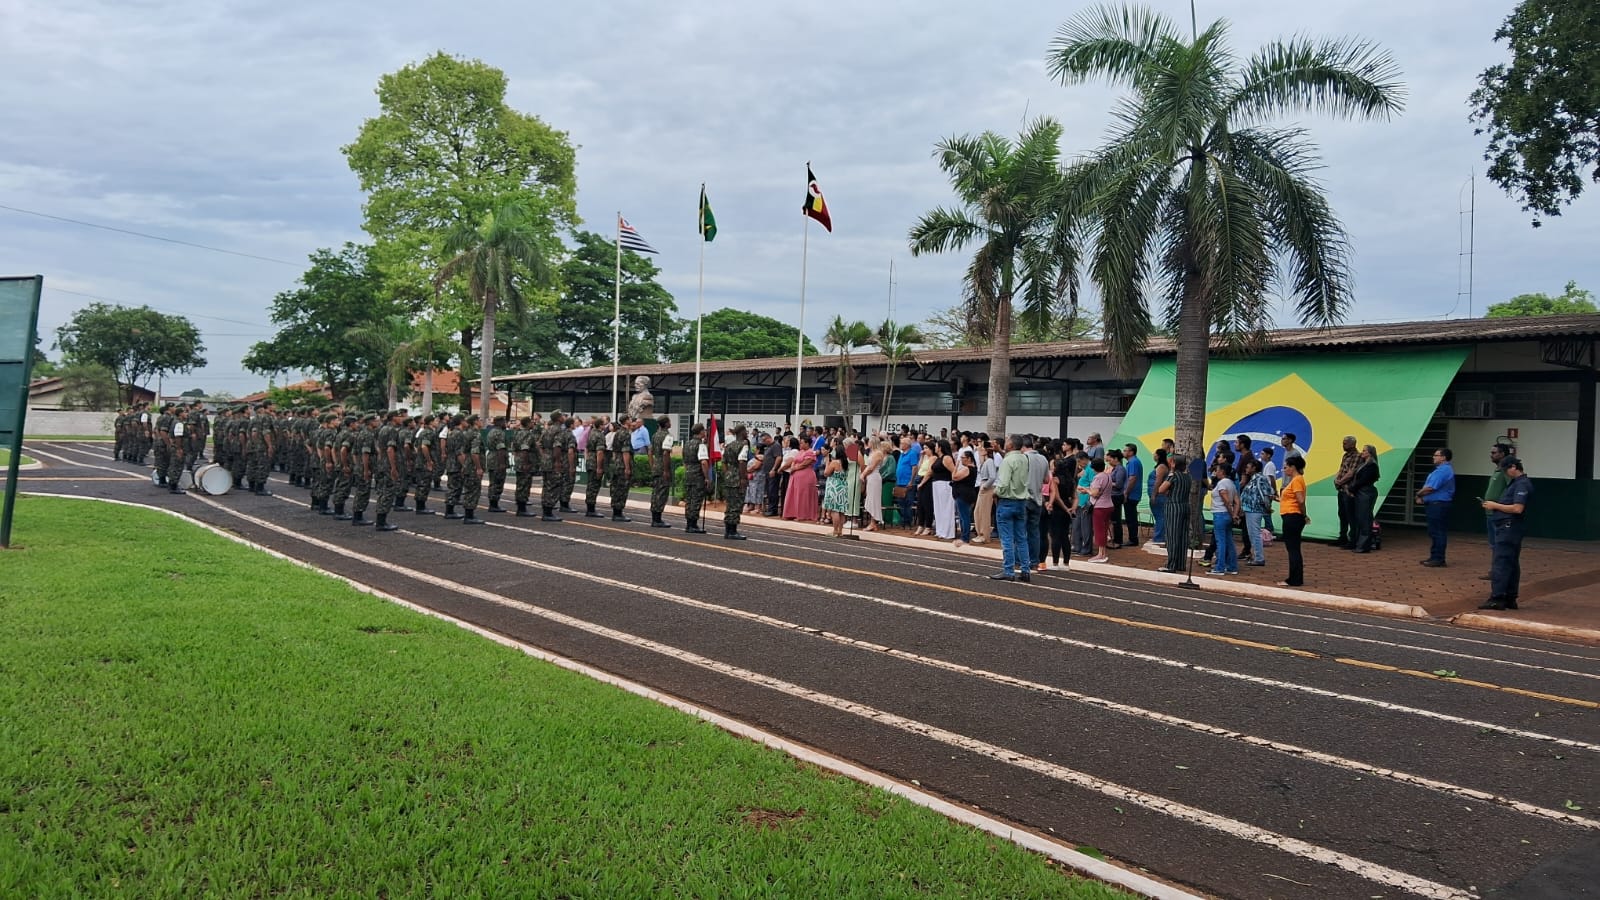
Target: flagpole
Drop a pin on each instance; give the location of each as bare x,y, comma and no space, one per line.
616,323
700,306
800,343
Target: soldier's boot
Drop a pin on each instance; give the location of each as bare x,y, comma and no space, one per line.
316,505
261,489
693,527
549,514
400,503
423,510
657,522
471,518
567,507
339,514
589,512
383,523
729,534
360,519
174,489
494,506
522,511
323,509
450,512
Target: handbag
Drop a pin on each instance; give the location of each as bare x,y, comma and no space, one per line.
899,492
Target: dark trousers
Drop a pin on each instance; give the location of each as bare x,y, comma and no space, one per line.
1505,576
1438,518
1294,524
905,504
1366,502
1035,535
1130,519
1346,517
774,494
1060,524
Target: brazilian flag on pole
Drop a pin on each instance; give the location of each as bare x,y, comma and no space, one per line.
708,222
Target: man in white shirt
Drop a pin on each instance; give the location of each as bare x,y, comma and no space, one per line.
1270,470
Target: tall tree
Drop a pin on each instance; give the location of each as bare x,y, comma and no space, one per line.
1542,111
958,326
1197,200
379,339
845,337
588,304
426,345
1026,240
500,257
443,152
737,334
896,343
136,344
1573,300
89,386
340,291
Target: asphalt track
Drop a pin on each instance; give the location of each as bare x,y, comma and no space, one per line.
1236,747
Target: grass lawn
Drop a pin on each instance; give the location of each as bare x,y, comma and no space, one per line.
5,458
186,717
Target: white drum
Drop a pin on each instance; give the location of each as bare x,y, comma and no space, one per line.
214,480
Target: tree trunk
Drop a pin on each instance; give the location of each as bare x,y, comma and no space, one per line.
394,394
463,386
1000,369
1189,388
486,358
427,390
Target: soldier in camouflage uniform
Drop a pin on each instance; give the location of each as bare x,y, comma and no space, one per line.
472,472
735,457
424,463
525,448
560,457
344,439
594,461
497,457
661,467
163,445
455,444
197,429
696,476
619,456
176,436
386,467
406,441
321,471
364,446
258,450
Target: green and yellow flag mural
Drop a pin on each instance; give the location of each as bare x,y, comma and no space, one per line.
1383,399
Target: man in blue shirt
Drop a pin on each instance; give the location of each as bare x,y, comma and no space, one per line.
1435,498
1133,492
905,470
639,437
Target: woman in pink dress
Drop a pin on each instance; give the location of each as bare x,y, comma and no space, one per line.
801,503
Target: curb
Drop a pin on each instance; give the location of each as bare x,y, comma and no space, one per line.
1505,625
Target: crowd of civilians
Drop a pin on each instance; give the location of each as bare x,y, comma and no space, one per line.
1048,500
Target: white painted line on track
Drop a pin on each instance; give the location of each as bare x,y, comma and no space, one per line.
1051,583
1094,868
1192,815
1089,700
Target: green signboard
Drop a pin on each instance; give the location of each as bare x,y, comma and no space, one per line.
19,318
1383,399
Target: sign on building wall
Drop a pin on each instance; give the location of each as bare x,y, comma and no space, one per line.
1383,399
19,318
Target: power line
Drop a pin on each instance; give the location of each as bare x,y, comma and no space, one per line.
157,308
153,237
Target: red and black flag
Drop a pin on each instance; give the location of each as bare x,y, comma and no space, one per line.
816,207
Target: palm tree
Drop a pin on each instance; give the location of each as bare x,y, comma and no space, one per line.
846,337
1026,238
499,256
427,345
895,343
379,339
1197,199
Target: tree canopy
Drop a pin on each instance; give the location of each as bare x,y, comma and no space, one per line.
341,291
588,303
1542,110
962,326
1573,300
736,334
135,344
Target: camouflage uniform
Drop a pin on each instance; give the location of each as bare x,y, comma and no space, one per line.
405,436
694,481
732,476
424,463
384,482
620,459
344,447
661,466
163,446
496,451
556,445
593,461
257,452
177,435
364,446
525,449
454,447
198,429
472,471
321,471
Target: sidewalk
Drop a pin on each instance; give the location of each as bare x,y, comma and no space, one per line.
1560,596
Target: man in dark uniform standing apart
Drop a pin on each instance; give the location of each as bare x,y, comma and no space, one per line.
560,454
735,457
497,452
661,466
1506,515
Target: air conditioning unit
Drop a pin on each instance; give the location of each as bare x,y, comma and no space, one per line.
1473,405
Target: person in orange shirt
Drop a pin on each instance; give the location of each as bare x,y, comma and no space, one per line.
1292,504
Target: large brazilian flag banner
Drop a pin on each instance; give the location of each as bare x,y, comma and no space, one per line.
1383,399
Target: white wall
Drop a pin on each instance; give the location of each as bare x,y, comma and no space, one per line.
1081,427
54,421
1548,447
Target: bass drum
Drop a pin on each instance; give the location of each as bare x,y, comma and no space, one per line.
214,480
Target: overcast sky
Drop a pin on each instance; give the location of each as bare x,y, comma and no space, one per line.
219,122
